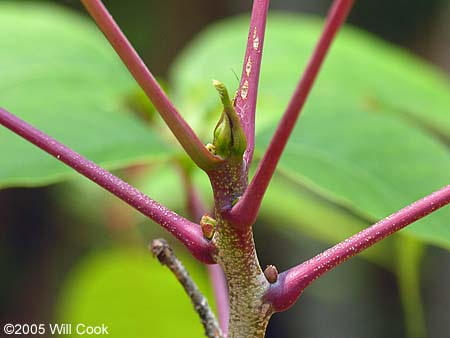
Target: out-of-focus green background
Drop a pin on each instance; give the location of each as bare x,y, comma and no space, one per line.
66,249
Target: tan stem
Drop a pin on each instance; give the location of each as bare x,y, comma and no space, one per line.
249,314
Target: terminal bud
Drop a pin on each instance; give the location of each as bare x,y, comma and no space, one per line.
229,137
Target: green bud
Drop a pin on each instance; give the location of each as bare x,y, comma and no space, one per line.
229,137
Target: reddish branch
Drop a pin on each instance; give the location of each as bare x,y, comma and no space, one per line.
194,204
292,282
179,127
245,211
187,232
196,210
245,103
219,282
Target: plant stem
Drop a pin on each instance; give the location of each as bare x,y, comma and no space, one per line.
161,249
410,253
246,210
187,232
247,284
245,102
292,282
236,254
196,210
179,127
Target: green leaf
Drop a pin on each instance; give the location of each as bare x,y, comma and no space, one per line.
291,208
59,74
374,134
163,183
130,292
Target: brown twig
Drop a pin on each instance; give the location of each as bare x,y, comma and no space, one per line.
161,249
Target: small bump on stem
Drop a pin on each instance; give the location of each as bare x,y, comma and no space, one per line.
208,225
271,273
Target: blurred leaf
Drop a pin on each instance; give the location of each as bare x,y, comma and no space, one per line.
164,184
138,102
292,208
59,74
374,134
131,293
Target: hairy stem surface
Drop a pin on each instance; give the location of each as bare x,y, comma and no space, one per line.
236,253
249,313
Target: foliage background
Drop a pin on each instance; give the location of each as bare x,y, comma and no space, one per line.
54,243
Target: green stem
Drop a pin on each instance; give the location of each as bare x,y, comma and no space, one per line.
410,254
247,284
236,253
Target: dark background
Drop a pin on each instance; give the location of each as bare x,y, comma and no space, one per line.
36,250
